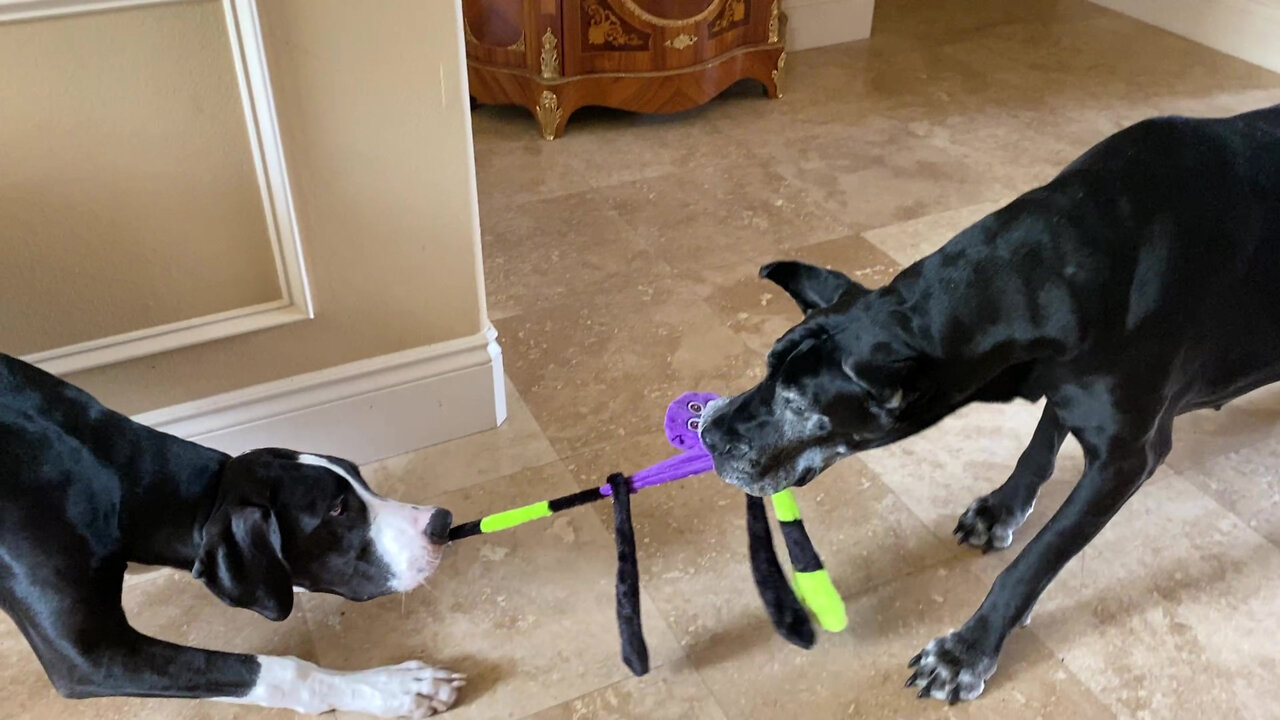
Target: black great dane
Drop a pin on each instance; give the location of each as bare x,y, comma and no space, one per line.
1140,283
85,490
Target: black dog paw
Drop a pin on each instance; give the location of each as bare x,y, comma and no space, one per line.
989,523
951,668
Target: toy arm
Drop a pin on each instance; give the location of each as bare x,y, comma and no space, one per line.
784,610
812,581
635,653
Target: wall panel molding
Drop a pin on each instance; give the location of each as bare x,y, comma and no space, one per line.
253,78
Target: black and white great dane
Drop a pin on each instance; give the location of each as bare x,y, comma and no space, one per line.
1140,283
85,490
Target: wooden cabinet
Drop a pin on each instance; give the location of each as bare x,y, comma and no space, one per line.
653,56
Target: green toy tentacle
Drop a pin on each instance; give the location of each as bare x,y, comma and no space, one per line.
812,581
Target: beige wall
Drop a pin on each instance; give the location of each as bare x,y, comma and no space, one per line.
374,121
1247,29
128,193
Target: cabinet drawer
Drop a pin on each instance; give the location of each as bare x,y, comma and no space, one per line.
630,36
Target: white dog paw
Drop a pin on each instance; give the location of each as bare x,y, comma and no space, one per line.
409,690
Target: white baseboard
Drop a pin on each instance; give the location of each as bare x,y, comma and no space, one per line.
364,411
1247,29
815,23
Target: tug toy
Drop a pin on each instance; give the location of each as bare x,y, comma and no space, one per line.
812,584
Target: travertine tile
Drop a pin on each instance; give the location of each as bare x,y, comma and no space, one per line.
423,475
759,311
1171,611
601,147
568,249
843,84
594,373
875,170
672,692
1201,437
724,214
909,241
1233,456
859,673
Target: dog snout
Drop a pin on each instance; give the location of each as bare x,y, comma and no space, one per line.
438,526
722,442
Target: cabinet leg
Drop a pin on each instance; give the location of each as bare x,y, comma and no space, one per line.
777,78
551,116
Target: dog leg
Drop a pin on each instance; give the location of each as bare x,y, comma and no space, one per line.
956,667
990,521
141,666
408,690
89,650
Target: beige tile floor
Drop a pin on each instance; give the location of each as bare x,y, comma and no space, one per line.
621,267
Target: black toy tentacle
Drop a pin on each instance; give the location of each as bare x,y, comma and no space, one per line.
785,611
634,651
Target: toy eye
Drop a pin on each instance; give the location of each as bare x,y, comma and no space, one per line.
693,424
695,407
339,508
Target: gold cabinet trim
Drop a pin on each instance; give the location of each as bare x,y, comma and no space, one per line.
682,41
550,57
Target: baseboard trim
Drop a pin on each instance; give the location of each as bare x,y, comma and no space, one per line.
365,411
816,23
1244,29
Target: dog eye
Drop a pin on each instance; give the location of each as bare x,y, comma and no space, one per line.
338,508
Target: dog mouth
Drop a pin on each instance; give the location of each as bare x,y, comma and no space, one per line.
425,567
800,468
764,485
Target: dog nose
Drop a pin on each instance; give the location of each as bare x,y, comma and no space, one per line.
720,443
438,526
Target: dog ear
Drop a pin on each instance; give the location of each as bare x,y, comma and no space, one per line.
240,559
240,562
810,286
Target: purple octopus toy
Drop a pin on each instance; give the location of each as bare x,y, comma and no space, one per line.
785,603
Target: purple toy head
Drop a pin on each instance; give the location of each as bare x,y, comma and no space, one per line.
683,416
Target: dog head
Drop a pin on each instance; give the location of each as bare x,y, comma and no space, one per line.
845,379
284,519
